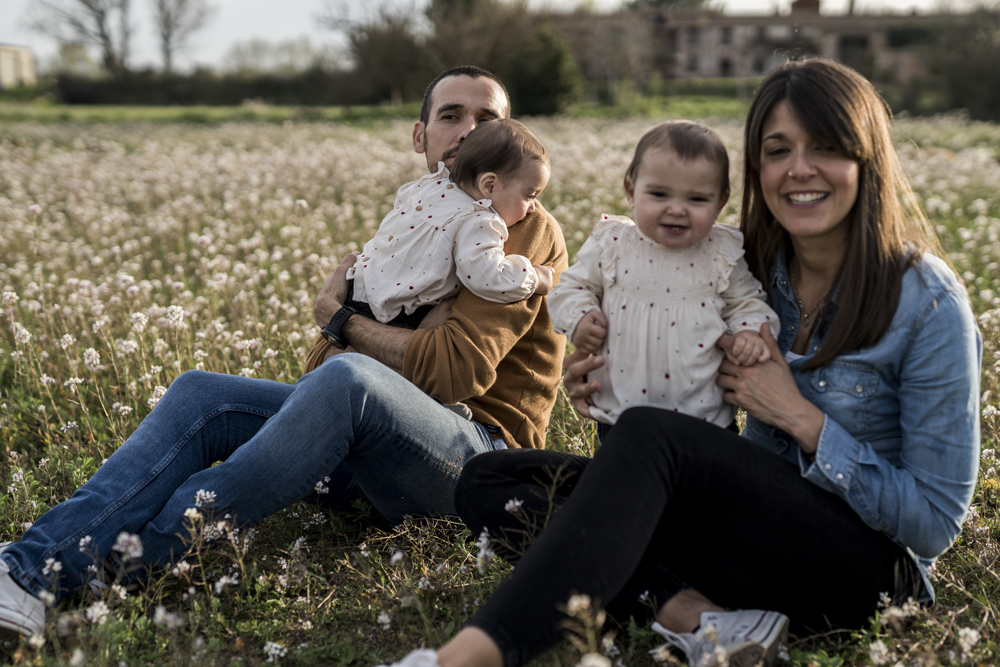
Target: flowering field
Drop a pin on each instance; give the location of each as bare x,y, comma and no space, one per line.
130,253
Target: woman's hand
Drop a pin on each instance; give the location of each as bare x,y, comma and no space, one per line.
577,365
334,292
767,391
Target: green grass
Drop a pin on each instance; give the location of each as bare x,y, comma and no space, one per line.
204,216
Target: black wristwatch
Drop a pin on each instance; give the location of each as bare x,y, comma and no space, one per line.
333,331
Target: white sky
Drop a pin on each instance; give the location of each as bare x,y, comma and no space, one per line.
237,20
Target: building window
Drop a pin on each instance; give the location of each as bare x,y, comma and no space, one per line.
692,34
726,36
692,62
758,65
725,67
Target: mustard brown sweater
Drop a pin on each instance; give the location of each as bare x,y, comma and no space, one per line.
504,361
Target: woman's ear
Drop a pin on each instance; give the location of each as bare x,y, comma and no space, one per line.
486,182
629,192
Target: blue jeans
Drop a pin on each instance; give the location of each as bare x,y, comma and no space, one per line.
275,441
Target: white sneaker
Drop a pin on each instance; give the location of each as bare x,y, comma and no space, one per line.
744,638
423,657
21,613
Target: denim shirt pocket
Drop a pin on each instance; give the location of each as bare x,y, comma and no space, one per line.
846,391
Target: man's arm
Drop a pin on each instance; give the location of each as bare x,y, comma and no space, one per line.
373,339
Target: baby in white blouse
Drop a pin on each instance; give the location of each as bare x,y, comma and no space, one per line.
653,296
447,230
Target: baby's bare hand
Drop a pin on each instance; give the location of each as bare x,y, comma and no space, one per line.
546,274
591,332
749,349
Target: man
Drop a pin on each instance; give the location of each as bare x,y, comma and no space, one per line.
353,418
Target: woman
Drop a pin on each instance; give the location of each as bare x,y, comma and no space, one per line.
859,458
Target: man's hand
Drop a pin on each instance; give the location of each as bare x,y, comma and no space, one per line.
591,332
334,292
437,315
546,274
577,365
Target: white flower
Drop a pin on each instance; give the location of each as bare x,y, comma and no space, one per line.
383,621
51,566
158,392
97,613
485,554
126,347
967,638
594,660
167,619
275,650
38,641
577,604
77,659
139,322
878,653
119,590
396,559
128,545
85,542
225,580
247,372
21,335
68,426
192,514
175,317
513,505
181,568
990,411
34,209
321,486
9,299
91,359
48,597
66,341
425,584
203,497
46,380
72,384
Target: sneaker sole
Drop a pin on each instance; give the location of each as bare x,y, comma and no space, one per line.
763,654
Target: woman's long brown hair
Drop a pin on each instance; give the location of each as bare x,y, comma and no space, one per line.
888,231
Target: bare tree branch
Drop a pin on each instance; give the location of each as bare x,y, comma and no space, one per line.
90,22
176,21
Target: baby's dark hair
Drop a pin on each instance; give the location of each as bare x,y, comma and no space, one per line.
690,141
501,146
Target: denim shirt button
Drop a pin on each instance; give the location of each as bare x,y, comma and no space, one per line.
840,476
858,388
790,327
827,466
822,383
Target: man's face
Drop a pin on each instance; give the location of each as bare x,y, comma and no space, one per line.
458,104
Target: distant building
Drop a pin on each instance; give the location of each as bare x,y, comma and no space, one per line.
17,66
677,44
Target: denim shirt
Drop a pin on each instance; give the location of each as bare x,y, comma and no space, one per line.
900,438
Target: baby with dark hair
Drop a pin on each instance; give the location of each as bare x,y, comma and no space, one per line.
447,230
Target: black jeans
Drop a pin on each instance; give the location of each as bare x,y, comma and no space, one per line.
670,501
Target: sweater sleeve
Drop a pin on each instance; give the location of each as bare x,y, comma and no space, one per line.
459,359
480,262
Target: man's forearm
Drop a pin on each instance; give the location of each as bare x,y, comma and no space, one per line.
378,341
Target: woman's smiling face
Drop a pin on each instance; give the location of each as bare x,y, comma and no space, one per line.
808,187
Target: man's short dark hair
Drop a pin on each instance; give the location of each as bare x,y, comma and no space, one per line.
464,70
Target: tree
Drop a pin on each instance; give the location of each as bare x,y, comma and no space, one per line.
176,21
542,76
386,47
89,22
965,55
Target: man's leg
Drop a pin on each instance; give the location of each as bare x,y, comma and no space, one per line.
404,449
201,419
